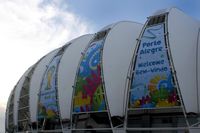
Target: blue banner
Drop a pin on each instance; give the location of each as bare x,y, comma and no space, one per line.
152,83
89,94
48,107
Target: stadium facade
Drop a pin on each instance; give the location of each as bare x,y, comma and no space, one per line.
127,77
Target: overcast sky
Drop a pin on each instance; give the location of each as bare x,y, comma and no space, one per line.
31,28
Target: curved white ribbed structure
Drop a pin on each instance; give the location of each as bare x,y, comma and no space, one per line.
92,82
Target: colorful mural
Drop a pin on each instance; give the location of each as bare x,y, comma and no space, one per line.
152,83
48,107
89,95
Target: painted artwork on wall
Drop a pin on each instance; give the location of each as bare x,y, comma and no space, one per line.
89,94
152,83
48,106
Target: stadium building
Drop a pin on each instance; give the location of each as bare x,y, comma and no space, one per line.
127,77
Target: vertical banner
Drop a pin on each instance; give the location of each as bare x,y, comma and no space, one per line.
89,95
152,83
48,105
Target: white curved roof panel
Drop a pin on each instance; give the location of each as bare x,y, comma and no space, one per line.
36,83
67,71
117,53
183,33
17,94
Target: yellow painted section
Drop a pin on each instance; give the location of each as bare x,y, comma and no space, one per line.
79,101
165,103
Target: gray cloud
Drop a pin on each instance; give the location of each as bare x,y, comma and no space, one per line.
30,29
